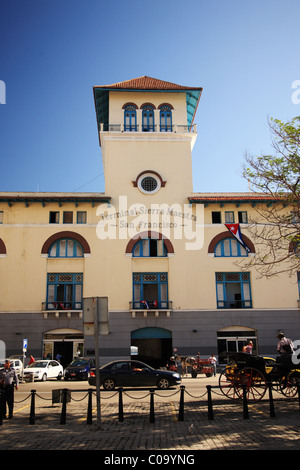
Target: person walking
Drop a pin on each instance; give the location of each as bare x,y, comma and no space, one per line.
8,380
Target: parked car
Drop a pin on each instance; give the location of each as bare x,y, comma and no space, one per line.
133,374
16,364
79,369
43,370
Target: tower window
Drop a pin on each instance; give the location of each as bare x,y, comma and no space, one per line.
149,183
165,119
148,119
130,118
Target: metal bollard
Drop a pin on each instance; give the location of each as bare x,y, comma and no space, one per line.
209,403
64,407
245,403
152,417
121,414
89,413
272,409
181,404
32,408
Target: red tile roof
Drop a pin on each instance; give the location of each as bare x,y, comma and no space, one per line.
230,197
147,83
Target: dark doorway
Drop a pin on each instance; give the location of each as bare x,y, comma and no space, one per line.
154,346
65,350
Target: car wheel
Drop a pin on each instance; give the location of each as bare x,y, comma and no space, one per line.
59,376
109,384
163,383
44,377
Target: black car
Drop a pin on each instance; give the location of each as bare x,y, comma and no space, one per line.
79,369
133,374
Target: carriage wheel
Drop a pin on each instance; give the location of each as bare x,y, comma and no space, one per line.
226,384
253,380
289,386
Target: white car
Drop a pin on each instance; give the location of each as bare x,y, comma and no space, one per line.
43,370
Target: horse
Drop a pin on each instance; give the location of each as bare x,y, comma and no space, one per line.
185,362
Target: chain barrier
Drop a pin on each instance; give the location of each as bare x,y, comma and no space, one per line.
64,395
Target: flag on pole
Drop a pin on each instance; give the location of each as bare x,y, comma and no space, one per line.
236,232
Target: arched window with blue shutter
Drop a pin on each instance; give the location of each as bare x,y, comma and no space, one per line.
231,248
148,118
165,119
66,248
130,118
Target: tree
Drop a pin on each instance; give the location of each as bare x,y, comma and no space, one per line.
276,226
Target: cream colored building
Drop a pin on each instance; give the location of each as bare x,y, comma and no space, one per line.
160,252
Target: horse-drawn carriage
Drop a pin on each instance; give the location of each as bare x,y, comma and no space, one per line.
195,365
255,373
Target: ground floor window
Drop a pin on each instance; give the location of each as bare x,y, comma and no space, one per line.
233,290
233,339
64,291
150,290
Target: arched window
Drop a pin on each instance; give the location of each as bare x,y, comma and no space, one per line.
130,118
149,247
148,118
165,119
229,247
66,248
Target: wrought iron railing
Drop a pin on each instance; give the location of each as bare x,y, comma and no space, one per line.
147,128
150,305
61,305
234,303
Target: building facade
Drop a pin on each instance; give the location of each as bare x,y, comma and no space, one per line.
162,254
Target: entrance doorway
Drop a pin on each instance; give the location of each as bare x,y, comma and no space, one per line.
232,339
63,345
154,346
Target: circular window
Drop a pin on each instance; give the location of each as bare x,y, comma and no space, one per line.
149,183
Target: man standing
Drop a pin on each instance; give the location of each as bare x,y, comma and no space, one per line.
213,361
8,379
284,345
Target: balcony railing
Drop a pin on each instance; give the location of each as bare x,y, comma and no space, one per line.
150,305
234,303
147,128
61,306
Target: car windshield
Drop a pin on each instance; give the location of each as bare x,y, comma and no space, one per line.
39,364
79,363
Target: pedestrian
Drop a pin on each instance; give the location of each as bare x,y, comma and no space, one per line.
171,365
248,347
8,380
285,345
213,361
31,360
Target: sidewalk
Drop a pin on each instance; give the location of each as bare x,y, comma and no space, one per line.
228,430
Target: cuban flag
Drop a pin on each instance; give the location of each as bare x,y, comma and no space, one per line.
236,232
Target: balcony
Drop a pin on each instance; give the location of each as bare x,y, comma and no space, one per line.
150,128
58,307
228,304
150,307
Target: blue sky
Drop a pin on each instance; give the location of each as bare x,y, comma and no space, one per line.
245,55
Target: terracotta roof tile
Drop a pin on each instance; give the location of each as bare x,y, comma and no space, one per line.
147,83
